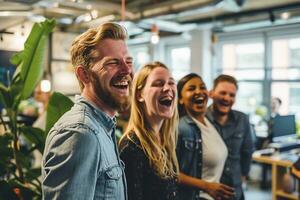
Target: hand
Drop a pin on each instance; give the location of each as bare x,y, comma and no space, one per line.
219,191
244,179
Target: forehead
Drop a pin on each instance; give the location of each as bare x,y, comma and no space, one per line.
112,48
159,73
226,87
194,81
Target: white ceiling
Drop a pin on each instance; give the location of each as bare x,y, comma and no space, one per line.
172,16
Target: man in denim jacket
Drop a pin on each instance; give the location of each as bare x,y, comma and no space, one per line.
235,130
81,160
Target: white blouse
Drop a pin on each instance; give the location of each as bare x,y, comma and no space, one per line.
214,154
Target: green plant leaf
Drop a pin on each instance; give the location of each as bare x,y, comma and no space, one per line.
6,153
57,106
31,59
24,158
32,174
15,94
5,99
36,136
16,59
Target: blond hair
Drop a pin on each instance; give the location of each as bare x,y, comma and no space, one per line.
162,156
84,47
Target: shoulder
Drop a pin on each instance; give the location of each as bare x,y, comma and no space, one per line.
79,116
240,115
131,151
130,145
185,122
71,137
186,125
71,146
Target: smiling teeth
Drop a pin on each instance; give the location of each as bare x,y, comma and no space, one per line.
200,98
166,98
122,83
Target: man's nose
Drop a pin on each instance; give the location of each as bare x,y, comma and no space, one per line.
126,68
226,97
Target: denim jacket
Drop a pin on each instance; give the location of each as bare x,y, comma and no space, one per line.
189,155
237,136
81,159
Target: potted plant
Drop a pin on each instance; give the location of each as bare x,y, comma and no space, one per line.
18,180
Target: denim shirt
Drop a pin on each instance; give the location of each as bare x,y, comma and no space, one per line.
237,136
81,159
189,155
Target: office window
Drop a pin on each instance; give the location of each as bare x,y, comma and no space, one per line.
289,93
285,80
179,60
243,60
286,59
248,96
140,56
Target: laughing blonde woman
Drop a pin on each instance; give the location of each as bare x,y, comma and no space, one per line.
148,145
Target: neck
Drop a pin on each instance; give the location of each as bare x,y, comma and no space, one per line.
221,119
199,117
99,103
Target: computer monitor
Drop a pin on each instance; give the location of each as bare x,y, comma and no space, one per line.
283,127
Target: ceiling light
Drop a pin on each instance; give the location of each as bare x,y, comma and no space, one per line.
285,15
154,39
154,34
45,85
94,14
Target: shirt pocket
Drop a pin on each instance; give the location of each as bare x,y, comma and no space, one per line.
190,144
113,179
236,143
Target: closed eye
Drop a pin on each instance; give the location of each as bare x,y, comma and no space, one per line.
158,83
113,62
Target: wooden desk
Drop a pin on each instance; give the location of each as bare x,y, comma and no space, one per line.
279,168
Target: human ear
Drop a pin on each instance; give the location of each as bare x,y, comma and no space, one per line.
82,74
211,94
139,96
180,101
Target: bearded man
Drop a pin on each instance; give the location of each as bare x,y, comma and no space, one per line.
81,159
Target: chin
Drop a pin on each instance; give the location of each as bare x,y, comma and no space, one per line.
167,115
222,112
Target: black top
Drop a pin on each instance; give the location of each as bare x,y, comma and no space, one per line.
142,181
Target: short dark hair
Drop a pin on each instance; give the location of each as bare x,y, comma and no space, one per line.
180,85
278,99
225,78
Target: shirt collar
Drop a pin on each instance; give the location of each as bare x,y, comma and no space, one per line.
108,122
232,117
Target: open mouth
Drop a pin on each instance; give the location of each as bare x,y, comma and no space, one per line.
120,82
199,100
166,101
225,104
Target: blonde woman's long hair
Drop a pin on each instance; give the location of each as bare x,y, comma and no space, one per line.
161,155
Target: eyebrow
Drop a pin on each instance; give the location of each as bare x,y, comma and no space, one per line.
129,57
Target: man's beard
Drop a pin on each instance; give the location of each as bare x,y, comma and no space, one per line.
218,111
114,101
